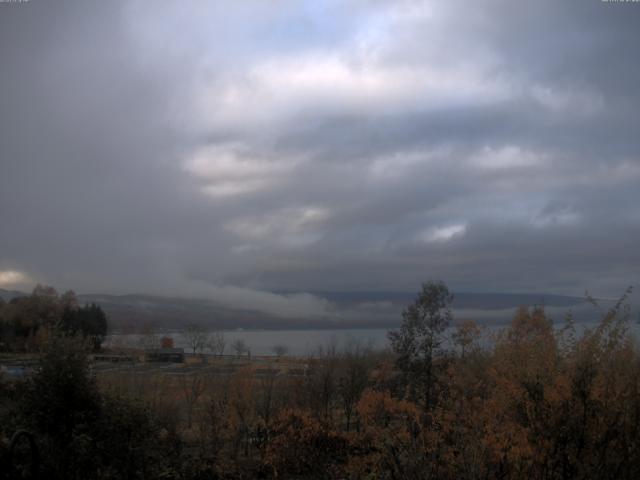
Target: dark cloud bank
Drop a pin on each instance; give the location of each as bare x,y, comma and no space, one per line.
227,150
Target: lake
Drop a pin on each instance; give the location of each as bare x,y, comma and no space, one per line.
305,342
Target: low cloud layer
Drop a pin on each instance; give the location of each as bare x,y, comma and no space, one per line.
227,149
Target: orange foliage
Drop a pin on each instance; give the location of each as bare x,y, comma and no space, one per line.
301,445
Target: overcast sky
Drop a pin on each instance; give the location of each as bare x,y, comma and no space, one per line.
226,149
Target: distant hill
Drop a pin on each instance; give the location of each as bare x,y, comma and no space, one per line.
351,310
7,295
176,312
478,301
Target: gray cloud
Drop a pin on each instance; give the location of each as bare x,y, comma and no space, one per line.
214,150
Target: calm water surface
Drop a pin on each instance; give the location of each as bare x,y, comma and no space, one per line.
306,342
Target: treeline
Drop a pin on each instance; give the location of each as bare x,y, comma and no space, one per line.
27,322
537,401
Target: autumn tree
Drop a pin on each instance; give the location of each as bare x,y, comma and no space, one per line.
390,445
266,401
217,342
303,447
466,337
279,350
214,426
192,386
242,411
240,346
196,337
419,340
354,376
321,381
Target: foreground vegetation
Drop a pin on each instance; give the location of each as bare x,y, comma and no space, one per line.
537,401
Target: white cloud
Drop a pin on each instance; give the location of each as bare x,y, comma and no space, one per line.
443,234
295,226
233,169
397,165
279,86
302,305
299,305
510,156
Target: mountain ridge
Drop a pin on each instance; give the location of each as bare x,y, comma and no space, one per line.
355,309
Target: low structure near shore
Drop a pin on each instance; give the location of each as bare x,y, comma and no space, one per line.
167,355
